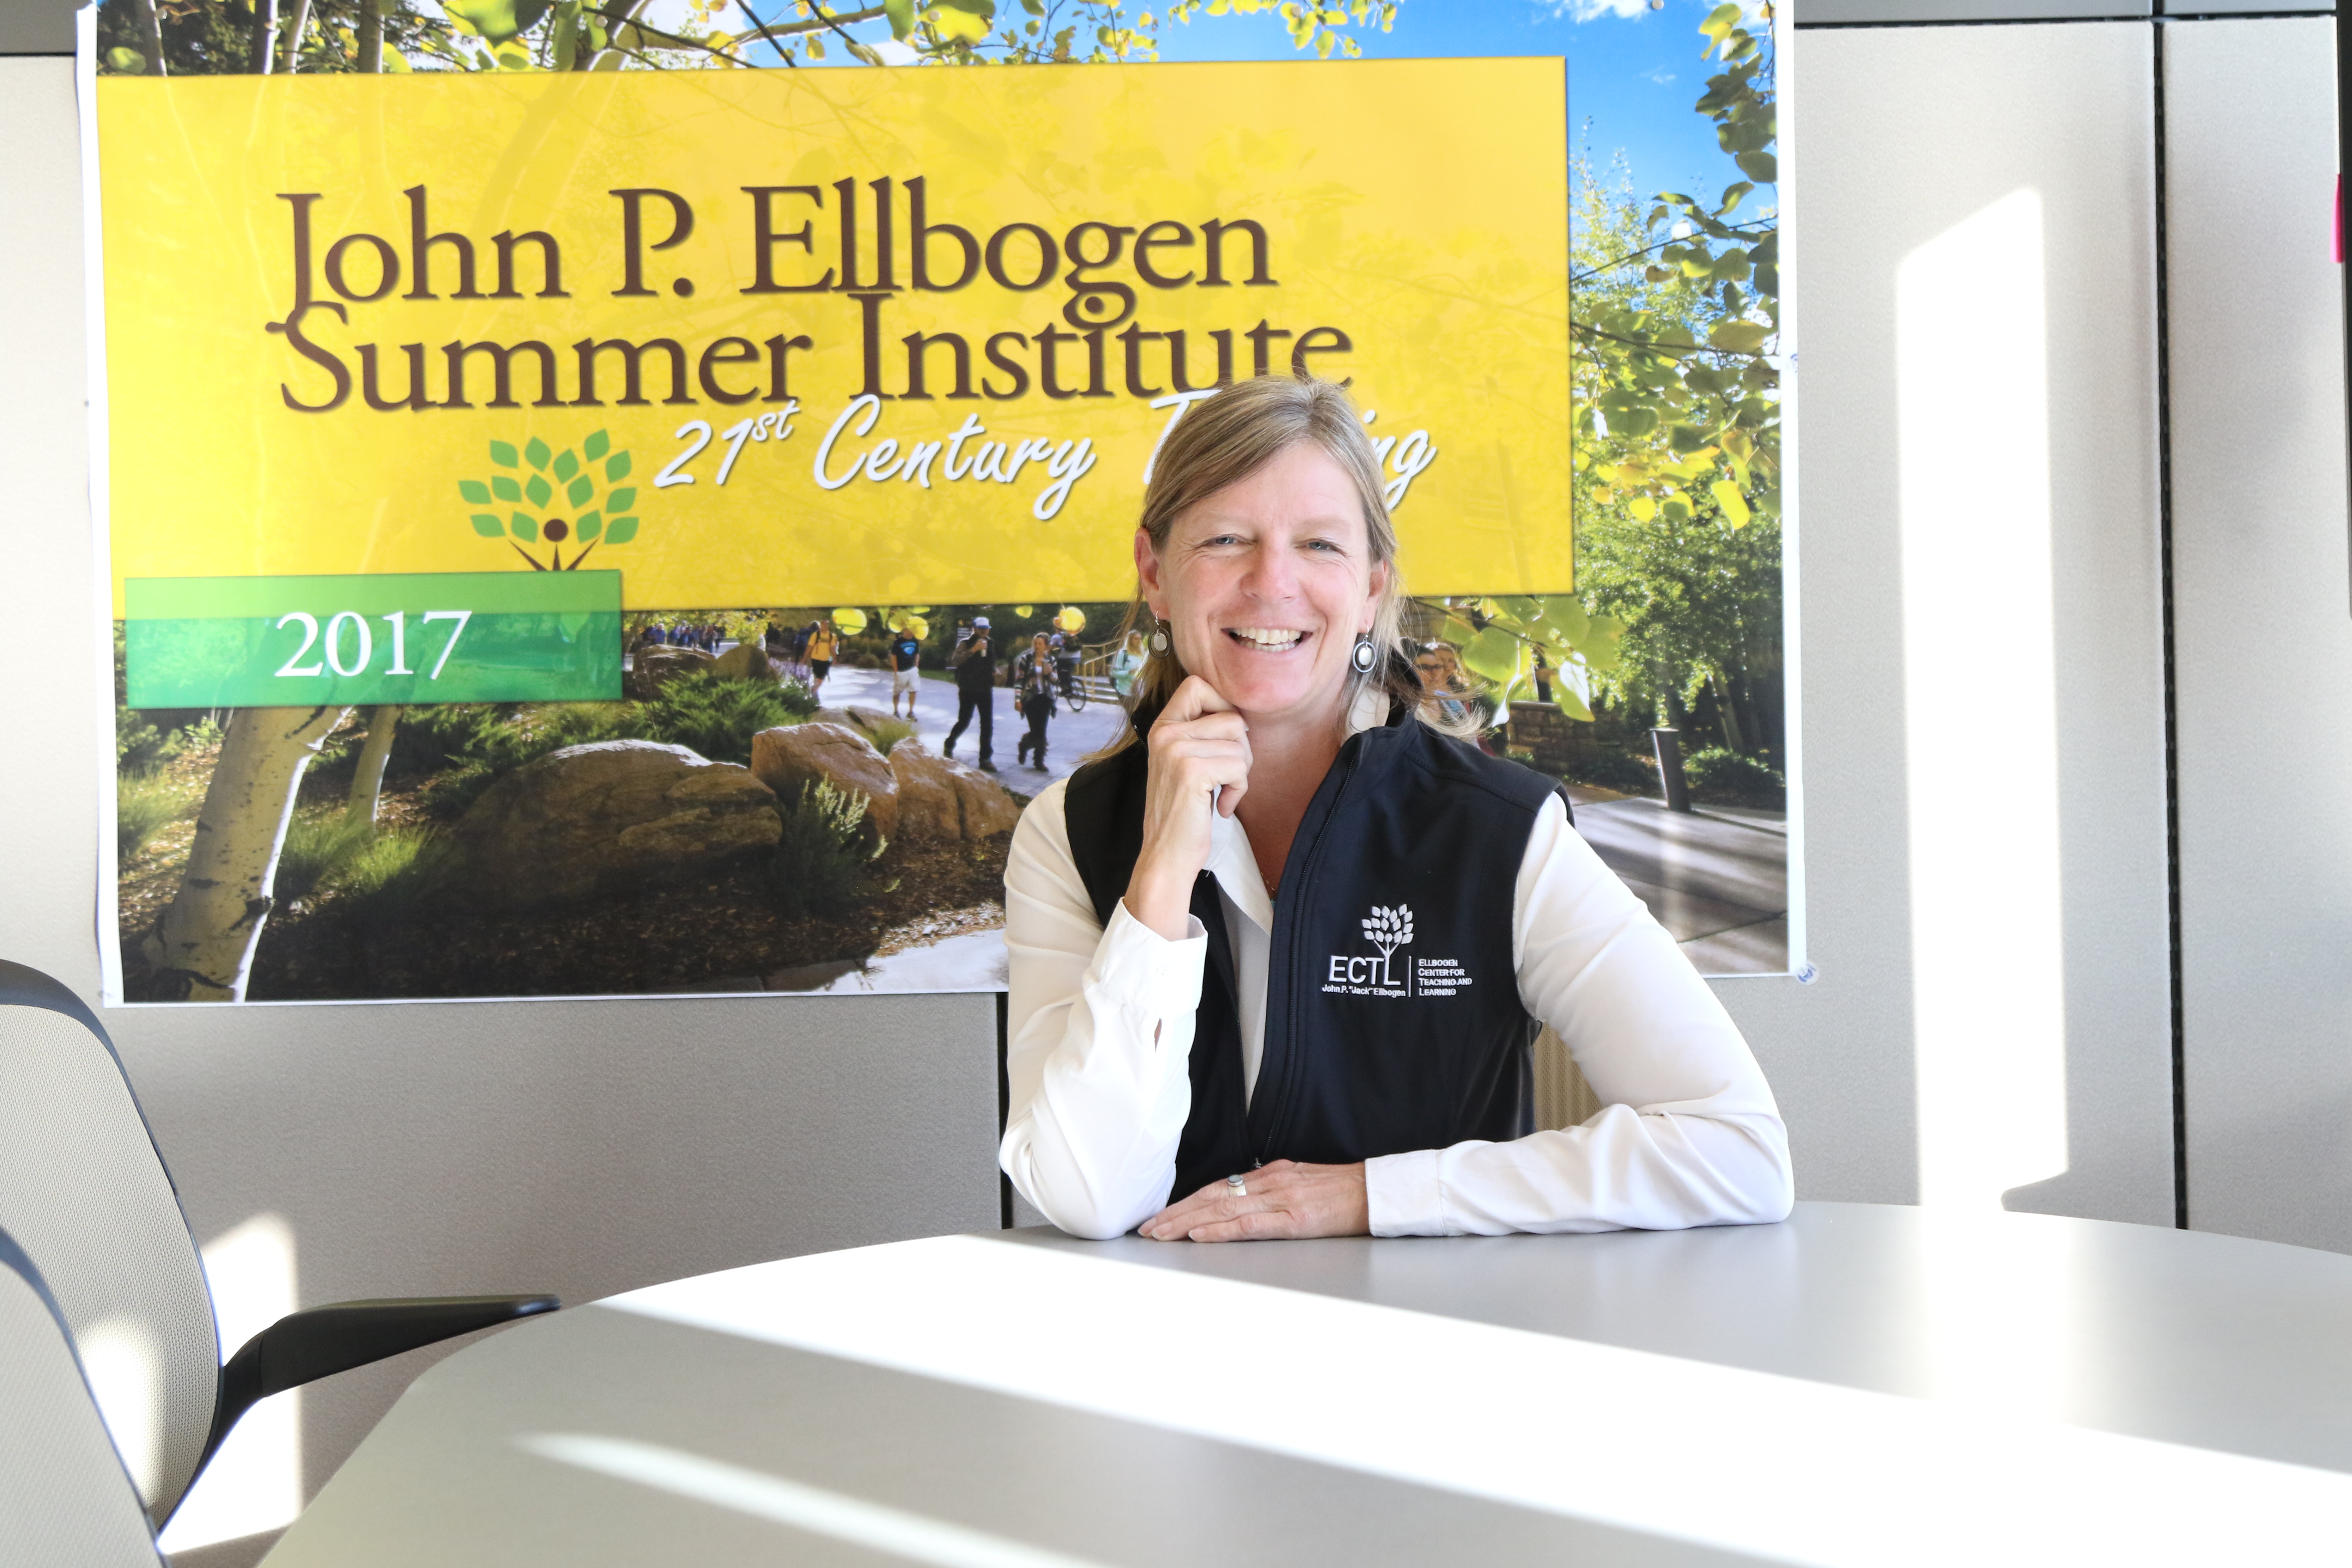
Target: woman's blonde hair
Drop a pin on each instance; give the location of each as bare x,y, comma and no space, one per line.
1223,440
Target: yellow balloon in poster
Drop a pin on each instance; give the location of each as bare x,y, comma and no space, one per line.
817,337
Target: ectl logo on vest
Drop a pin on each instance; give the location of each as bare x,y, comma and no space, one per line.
1369,1049
1389,930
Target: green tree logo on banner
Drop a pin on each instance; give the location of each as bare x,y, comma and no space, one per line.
541,485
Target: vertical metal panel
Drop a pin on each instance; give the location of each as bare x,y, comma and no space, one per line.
2264,638
1916,12
1900,136
38,27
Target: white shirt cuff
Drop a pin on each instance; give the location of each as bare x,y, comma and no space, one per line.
1140,969
1404,1196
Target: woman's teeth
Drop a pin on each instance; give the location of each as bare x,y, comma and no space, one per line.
1268,639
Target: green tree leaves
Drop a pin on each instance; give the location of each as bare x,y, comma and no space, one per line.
593,523
498,20
1676,321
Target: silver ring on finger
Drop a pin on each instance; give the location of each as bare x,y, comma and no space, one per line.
1237,1185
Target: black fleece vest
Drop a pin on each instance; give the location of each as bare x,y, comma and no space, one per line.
1392,1015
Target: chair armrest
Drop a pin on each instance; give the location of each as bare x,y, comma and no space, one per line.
302,1347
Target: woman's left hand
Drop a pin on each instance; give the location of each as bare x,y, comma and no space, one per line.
1285,1201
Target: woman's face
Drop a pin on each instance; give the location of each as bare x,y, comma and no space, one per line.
1266,584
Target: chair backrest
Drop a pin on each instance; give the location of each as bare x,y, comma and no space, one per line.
85,1193
64,1497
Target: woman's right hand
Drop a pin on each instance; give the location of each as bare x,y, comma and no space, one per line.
1200,766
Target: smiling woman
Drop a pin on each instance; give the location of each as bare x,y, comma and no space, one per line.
1261,951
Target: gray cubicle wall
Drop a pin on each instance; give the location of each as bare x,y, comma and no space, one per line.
2244,113
586,1147
2264,659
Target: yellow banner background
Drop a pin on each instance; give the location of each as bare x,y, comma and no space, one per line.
1418,207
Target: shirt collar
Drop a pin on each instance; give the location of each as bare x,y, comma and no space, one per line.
1230,859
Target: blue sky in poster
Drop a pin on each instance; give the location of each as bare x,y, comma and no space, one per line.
1633,74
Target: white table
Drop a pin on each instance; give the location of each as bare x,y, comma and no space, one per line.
1860,1386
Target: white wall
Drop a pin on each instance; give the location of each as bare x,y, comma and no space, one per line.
2264,615
1901,136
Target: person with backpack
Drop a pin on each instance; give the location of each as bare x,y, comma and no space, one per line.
975,676
823,641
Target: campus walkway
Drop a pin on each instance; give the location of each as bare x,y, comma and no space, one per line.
1717,878
1068,736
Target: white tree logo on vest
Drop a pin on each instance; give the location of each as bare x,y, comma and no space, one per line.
1388,929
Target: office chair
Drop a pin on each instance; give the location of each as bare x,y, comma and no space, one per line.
64,1497
87,1195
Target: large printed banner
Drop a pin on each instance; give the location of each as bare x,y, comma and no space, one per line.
816,337
550,512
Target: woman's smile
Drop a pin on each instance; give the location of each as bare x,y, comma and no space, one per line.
1269,639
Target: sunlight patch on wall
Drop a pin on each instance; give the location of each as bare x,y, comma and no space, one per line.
1982,707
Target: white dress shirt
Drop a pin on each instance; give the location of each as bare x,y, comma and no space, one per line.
1101,1035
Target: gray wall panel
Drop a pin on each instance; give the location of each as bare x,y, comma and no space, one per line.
37,27
2265,650
1881,168
433,1149
1914,13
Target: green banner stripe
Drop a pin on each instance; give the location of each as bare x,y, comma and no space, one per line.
457,637
375,594
497,658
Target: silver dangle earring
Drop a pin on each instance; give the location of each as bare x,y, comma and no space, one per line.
1363,656
1159,638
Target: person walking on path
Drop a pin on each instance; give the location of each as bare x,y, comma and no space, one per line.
1034,675
821,643
905,659
975,676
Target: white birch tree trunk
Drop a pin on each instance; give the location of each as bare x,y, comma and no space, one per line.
151,34
367,784
294,36
207,936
